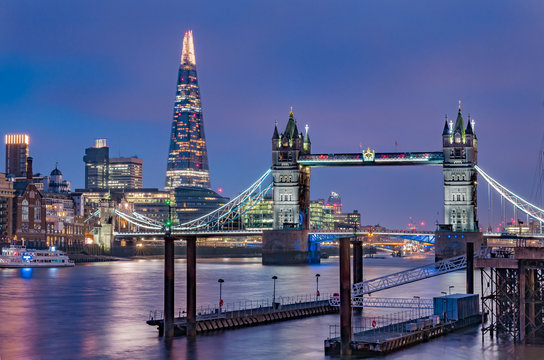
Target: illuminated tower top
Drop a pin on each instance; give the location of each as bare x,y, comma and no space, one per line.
16,154
188,52
187,156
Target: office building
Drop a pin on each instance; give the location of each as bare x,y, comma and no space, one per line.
105,173
96,165
125,173
16,154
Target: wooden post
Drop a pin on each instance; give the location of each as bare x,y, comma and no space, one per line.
168,286
470,268
345,297
191,285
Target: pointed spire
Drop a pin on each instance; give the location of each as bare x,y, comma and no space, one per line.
446,127
188,52
469,131
307,135
459,123
276,135
289,132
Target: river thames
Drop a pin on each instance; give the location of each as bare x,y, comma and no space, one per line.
98,311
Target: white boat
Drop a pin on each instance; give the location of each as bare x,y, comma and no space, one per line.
20,257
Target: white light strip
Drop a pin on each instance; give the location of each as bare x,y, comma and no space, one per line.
507,194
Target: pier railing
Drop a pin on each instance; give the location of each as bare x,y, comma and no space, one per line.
370,301
384,325
251,307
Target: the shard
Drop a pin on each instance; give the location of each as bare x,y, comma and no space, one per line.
187,157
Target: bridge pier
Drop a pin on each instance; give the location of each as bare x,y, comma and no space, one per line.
191,285
345,297
450,244
168,286
288,247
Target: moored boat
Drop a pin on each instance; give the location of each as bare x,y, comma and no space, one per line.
20,257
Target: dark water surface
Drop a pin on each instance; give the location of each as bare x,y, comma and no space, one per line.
98,311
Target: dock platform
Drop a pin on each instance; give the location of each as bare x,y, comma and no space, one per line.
393,337
214,321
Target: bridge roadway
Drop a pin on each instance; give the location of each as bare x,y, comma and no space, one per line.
248,232
370,158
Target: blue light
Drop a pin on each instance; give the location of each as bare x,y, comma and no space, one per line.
26,273
27,257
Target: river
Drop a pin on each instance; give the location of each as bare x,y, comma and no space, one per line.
98,311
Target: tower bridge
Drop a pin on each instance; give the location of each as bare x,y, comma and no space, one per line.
291,241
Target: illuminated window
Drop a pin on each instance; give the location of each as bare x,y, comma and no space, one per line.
38,211
24,210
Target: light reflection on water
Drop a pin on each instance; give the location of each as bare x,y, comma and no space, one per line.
98,311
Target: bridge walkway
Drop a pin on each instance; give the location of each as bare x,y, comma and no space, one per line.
408,276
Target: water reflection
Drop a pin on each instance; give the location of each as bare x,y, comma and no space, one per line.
99,311
26,273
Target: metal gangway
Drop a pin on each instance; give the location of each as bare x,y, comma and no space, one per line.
397,303
408,276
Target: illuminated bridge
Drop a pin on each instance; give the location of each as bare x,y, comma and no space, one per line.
291,239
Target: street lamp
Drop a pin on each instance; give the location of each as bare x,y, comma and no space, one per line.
418,306
274,292
451,287
220,281
317,286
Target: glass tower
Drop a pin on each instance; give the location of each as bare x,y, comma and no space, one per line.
187,157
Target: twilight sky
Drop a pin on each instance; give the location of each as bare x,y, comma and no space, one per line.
358,72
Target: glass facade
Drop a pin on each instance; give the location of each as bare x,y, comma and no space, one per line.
96,165
103,172
187,156
321,215
194,202
260,216
125,173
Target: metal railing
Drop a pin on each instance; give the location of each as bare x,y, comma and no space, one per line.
385,326
410,275
368,301
251,307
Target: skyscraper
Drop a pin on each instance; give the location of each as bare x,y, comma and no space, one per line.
103,172
125,173
187,157
96,165
16,154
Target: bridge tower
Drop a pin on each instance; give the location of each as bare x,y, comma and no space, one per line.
287,242
291,180
460,178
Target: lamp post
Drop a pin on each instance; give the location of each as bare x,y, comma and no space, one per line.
220,281
418,306
449,289
274,291
317,287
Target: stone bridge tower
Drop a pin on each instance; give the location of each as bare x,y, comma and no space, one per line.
291,180
460,178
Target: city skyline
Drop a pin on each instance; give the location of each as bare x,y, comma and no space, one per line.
390,86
